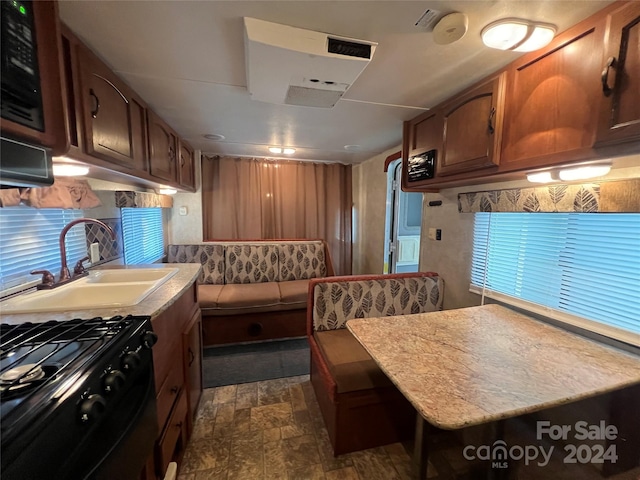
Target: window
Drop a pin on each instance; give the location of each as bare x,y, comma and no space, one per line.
29,241
581,268
143,235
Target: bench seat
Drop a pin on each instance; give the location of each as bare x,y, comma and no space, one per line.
254,290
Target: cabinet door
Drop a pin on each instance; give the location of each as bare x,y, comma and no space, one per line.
619,118
163,143
551,112
113,117
187,166
473,128
192,350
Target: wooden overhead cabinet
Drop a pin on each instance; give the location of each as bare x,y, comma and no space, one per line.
619,119
472,128
163,144
552,100
114,117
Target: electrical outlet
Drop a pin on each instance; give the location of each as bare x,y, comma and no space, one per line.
94,252
432,234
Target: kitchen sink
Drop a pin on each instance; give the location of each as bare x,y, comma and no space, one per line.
130,275
100,289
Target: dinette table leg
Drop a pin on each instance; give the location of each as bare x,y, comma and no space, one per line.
421,450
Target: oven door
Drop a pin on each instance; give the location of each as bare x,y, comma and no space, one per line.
114,445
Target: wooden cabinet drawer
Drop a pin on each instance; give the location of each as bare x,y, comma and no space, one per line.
169,391
173,435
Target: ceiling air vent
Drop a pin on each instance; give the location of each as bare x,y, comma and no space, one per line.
352,49
288,65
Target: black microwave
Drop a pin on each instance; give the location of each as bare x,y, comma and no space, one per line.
422,166
21,164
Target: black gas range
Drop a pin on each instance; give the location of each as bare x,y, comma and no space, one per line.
77,399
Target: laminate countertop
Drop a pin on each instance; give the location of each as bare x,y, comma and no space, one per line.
474,365
153,305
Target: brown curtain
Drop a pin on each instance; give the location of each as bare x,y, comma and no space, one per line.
246,199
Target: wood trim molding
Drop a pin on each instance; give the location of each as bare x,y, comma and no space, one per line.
391,158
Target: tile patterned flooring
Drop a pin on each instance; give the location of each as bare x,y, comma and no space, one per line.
273,430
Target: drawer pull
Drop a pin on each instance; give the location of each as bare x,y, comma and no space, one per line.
491,115
606,89
174,390
192,357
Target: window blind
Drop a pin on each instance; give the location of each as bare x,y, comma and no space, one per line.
582,266
29,241
143,235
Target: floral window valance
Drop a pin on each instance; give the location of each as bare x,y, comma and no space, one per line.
64,193
127,199
602,197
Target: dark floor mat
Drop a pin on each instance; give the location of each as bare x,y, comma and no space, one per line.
232,364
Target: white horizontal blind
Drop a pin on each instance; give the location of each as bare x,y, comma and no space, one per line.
580,264
143,235
29,241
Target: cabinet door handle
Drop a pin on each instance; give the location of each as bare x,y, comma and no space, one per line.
110,83
492,114
192,357
181,161
96,109
606,89
174,390
172,154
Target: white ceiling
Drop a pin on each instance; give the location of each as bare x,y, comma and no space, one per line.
186,60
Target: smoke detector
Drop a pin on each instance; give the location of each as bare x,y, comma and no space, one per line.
293,66
450,28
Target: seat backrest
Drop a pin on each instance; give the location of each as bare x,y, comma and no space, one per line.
256,261
334,300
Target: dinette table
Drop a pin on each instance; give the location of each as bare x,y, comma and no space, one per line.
476,365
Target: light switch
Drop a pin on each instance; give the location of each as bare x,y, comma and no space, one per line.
432,233
183,211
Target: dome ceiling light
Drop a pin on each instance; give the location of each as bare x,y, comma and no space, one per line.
518,35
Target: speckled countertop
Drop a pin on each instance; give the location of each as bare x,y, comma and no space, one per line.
156,303
474,365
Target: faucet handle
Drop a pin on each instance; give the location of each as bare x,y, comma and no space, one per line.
47,277
79,268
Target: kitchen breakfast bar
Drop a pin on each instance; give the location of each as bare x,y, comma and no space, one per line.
477,365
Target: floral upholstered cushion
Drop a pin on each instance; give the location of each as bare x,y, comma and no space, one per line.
211,256
336,302
246,263
301,261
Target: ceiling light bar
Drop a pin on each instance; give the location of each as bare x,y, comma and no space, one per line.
285,150
69,170
570,173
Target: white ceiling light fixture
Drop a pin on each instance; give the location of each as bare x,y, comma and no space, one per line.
214,136
517,35
275,149
167,191
288,151
69,170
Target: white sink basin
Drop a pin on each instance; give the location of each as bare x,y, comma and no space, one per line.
130,275
101,289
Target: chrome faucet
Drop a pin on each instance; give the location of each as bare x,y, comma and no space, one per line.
64,269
